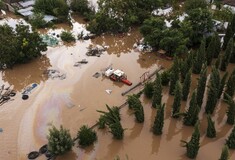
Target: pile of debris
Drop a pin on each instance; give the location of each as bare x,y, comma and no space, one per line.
141,46
95,50
87,36
53,74
6,94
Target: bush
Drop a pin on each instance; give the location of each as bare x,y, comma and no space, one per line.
86,136
165,77
67,37
37,21
148,89
59,141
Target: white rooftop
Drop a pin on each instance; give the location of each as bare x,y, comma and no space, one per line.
27,3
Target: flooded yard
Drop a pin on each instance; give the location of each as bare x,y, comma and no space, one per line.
74,101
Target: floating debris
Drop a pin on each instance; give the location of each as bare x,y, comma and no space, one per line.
33,155
96,75
95,50
6,94
109,91
83,61
43,149
142,47
53,74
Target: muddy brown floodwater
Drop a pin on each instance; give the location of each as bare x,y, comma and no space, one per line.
73,102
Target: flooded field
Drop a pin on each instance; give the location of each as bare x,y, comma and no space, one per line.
73,101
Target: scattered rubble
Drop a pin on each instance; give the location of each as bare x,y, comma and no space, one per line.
53,74
95,50
6,94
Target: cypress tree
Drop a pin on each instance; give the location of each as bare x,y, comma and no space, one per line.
225,153
217,62
232,59
211,132
165,77
210,50
131,99
233,23
227,55
231,139
186,65
174,76
230,86
186,85
200,58
201,85
159,120
191,116
213,91
222,84
138,110
228,35
193,145
217,45
157,92
148,90
177,100
231,110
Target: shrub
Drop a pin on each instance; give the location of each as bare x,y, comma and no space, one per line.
67,37
86,136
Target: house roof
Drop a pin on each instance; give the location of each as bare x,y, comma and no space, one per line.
229,2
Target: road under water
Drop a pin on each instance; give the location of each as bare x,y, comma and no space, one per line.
73,102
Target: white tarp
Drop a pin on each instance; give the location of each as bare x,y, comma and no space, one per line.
27,3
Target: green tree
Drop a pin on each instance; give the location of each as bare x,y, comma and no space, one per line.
174,76
230,141
201,22
37,21
194,4
232,58
213,91
186,85
159,120
58,8
165,77
228,35
230,86
233,23
67,37
8,55
225,153
201,85
157,91
138,110
59,141
227,56
131,100
193,145
177,100
112,120
210,132
231,110
148,90
217,62
191,115
30,44
81,6
86,136
200,58
217,45
222,84
210,50
186,65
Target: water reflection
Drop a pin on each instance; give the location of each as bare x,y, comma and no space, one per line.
119,44
22,75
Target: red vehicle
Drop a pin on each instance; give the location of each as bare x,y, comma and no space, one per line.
118,76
